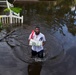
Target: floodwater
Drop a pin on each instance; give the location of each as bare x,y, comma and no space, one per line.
61,22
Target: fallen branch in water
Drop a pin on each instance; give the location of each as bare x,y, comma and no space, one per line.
8,34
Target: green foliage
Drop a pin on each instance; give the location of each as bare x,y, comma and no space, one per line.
6,10
15,9
0,25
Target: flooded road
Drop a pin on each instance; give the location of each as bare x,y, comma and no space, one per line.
59,26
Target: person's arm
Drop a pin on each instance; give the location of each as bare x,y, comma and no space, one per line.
29,38
28,41
44,41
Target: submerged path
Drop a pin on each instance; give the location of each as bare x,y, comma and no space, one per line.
15,52
19,41
15,55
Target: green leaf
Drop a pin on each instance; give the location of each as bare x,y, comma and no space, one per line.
14,9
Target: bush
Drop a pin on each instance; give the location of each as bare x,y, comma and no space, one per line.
15,9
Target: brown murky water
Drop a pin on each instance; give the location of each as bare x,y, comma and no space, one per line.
61,22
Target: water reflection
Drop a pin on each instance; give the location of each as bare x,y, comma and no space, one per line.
34,68
55,13
62,23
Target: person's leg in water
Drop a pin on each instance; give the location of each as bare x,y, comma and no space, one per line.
40,54
34,53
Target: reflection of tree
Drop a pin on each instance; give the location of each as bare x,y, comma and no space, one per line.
53,12
55,17
71,27
72,30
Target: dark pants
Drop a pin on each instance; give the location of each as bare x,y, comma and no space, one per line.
40,54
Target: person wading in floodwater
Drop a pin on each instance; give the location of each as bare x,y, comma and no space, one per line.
37,36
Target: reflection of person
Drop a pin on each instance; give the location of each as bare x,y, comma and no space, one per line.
37,36
34,68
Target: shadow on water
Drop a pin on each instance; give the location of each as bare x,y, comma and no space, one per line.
34,68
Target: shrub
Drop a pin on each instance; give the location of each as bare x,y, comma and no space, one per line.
15,9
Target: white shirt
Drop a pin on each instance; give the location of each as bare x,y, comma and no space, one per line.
39,37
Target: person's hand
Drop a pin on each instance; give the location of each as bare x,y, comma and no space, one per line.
43,43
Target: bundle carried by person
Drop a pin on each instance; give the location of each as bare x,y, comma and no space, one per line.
33,42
